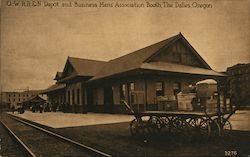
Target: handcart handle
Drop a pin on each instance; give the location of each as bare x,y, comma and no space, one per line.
128,107
207,115
233,112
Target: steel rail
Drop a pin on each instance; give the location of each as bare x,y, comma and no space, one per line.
90,149
19,141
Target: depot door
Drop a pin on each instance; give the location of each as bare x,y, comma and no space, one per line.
108,99
89,99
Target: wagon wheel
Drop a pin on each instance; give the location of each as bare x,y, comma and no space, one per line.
175,124
224,126
180,125
185,125
154,124
193,124
215,128
136,128
165,123
204,127
227,125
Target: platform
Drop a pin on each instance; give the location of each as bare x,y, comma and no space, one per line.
62,120
239,121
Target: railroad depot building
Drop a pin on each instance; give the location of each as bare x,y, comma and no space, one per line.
143,78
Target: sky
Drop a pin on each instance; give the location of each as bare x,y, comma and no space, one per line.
36,41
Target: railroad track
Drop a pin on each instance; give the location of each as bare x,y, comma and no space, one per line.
9,145
37,141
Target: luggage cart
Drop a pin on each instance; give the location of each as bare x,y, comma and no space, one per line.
187,122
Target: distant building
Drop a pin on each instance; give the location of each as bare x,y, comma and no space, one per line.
239,83
3,102
15,98
35,102
142,78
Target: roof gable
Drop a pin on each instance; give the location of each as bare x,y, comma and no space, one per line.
81,67
179,51
135,60
58,76
35,98
132,60
68,69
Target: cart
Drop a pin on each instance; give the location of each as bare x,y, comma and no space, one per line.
202,110
203,123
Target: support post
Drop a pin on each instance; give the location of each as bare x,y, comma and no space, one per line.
146,92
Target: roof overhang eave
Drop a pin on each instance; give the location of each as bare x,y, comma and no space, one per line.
52,90
112,75
216,74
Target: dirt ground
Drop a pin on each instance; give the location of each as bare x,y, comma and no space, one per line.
115,139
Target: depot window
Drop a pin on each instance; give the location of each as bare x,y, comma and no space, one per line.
78,96
69,97
159,88
73,96
131,86
131,90
122,91
176,88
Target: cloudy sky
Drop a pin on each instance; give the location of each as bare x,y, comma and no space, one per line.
35,41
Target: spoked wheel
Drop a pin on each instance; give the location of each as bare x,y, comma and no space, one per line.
180,125
155,125
224,126
204,127
227,128
194,123
215,128
199,126
136,128
227,125
193,126
165,124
